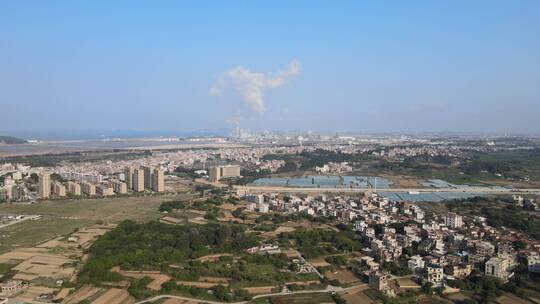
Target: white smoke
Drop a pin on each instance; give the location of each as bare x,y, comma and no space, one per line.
251,85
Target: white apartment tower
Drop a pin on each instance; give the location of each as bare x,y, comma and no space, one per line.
453,220
44,185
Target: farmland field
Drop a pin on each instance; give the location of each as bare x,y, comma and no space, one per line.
306,298
63,216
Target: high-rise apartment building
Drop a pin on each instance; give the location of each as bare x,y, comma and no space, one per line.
214,173
148,171
128,177
230,171
88,189
158,179
138,180
120,187
219,172
74,188
17,192
104,190
59,189
44,185
497,267
453,220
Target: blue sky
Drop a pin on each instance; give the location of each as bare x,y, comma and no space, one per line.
384,66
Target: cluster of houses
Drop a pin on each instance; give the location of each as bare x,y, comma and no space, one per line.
334,168
438,249
526,203
264,249
12,287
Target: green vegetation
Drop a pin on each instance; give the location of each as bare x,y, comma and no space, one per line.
338,299
474,168
513,164
515,219
499,213
277,218
248,176
239,213
308,160
62,217
397,269
154,245
29,233
244,271
138,288
51,160
188,173
212,213
171,205
337,260
219,292
318,242
484,289
265,227
307,298
6,272
175,250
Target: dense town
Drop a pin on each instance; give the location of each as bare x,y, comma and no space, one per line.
438,249
377,246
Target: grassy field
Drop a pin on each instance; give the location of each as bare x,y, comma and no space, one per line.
62,217
28,233
111,210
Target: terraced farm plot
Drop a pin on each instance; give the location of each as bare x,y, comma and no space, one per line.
260,289
357,297
157,277
84,293
306,298
178,301
114,296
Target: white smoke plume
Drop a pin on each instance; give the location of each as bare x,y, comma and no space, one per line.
252,85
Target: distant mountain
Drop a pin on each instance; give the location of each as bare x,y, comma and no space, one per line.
12,140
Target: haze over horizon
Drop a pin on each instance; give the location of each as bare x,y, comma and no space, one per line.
455,66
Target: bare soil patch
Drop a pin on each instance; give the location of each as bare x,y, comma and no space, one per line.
259,290
82,294
343,276
114,296
510,299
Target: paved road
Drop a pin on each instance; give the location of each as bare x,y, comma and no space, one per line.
328,289
25,218
486,190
